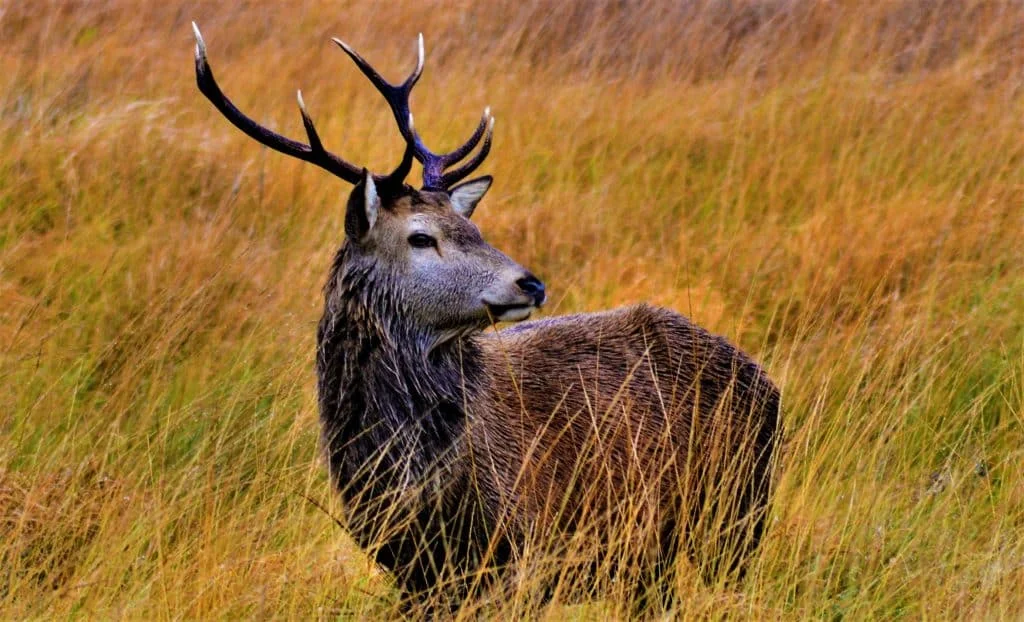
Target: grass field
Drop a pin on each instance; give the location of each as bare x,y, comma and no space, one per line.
837,186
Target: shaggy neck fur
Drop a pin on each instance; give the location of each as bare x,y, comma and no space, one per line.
392,400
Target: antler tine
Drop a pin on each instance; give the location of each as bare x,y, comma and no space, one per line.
313,153
463,171
307,122
397,97
455,155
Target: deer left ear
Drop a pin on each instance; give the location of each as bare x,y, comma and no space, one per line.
362,208
466,196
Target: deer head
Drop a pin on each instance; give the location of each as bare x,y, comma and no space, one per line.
416,248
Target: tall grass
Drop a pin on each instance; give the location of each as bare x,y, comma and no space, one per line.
836,186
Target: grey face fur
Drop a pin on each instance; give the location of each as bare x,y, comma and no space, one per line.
445,278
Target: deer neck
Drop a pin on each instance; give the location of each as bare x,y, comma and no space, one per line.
385,392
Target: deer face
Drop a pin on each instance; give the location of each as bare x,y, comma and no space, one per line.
443,274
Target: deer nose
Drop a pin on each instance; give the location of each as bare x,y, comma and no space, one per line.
533,288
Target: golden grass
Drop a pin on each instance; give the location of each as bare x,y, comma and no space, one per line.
837,186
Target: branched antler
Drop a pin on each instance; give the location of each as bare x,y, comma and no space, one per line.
313,153
435,165
397,96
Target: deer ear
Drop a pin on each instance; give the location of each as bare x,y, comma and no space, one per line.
466,196
362,208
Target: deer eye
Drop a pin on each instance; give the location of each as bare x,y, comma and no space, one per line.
422,240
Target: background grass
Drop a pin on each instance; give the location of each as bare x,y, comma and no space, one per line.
836,186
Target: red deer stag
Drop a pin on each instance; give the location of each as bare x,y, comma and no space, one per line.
609,441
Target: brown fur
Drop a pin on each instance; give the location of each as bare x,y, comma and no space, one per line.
608,442
606,397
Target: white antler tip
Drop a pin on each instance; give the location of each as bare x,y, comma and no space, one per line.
490,126
487,111
302,103
200,44
420,50
342,44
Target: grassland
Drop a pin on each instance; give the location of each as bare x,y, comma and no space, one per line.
836,186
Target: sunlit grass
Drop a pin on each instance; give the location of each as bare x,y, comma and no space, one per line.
837,189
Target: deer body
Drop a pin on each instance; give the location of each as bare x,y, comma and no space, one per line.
607,442
501,438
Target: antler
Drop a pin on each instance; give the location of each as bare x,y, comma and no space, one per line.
314,152
434,164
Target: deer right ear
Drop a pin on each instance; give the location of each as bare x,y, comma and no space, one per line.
362,208
465,197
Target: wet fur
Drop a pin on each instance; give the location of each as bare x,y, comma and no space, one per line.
454,457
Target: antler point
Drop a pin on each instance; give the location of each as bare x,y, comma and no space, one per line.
200,44
341,44
422,53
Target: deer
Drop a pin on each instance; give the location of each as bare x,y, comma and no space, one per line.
612,442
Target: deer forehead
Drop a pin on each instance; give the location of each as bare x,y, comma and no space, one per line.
435,215
420,203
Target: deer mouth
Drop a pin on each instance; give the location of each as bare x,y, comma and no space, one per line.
509,313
